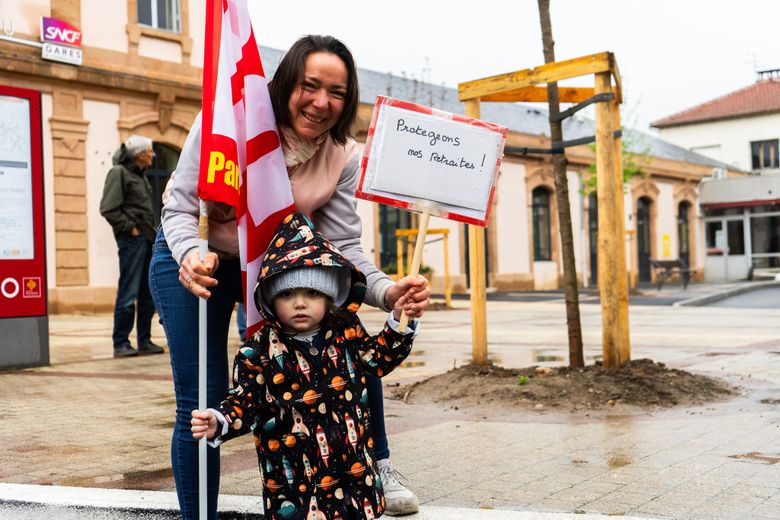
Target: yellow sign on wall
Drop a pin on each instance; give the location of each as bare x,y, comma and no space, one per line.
666,246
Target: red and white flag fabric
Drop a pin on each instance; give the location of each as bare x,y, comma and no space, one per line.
241,159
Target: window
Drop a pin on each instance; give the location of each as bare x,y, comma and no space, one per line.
736,234
683,230
713,232
540,213
764,154
390,219
160,14
765,235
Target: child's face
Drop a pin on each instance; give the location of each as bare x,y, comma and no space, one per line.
301,310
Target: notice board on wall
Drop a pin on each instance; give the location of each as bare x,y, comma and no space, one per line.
22,240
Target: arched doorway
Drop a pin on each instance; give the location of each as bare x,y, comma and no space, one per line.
165,159
644,251
684,232
542,222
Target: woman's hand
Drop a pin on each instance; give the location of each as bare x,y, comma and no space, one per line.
196,276
412,293
203,423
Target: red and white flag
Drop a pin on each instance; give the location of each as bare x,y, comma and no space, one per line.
241,159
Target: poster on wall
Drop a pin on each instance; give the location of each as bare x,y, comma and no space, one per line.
16,222
22,241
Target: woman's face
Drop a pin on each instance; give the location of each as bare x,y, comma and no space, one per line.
317,101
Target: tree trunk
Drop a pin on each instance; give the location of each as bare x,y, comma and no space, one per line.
562,196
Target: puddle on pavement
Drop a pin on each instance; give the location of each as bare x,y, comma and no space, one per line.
412,361
496,360
754,456
129,480
554,356
60,450
618,461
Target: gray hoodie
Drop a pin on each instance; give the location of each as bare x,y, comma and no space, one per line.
337,219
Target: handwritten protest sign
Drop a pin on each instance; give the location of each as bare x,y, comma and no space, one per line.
427,160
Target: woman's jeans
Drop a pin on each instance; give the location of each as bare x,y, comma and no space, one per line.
178,311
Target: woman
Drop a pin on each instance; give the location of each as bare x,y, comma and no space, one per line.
314,93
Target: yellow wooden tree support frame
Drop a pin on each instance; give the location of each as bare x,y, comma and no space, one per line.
407,234
530,85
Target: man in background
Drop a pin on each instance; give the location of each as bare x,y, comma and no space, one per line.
127,206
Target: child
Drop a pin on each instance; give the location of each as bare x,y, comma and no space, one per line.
299,382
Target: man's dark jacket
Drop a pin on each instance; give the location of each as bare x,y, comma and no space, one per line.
127,197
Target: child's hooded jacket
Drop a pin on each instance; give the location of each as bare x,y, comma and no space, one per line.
306,401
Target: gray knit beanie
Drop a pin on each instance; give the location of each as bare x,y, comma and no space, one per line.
322,279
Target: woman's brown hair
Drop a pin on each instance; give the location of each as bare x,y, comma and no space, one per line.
290,72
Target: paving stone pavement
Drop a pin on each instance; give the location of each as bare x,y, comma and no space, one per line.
94,422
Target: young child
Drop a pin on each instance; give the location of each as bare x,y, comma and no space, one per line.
299,382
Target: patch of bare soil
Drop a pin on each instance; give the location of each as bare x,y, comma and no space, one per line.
640,383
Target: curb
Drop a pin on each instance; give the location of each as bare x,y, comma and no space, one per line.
740,289
164,505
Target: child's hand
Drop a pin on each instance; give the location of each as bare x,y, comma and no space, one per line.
203,423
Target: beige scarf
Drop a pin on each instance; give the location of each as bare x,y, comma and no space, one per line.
296,150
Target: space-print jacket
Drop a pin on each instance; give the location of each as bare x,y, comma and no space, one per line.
306,401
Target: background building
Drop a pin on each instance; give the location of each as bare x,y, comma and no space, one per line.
741,216
140,73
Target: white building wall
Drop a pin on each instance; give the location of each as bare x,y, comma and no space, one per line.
25,15
576,205
102,141
666,223
159,49
433,253
197,27
365,209
47,109
630,225
732,136
101,23
511,220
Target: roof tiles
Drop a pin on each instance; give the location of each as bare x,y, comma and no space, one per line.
760,98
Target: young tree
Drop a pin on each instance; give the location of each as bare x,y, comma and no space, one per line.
559,162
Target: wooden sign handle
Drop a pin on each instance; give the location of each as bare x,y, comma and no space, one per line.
416,260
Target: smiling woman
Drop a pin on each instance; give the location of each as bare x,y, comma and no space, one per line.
318,101
314,94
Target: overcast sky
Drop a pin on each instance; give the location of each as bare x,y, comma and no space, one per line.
672,54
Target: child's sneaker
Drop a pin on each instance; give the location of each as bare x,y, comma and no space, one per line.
399,500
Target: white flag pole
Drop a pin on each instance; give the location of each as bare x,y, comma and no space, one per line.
203,249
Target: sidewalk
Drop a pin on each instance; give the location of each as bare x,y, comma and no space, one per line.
90,421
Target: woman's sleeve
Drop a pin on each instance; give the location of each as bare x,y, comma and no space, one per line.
180,200
340,223
242,403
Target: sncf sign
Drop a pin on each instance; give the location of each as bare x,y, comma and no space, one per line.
57,31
